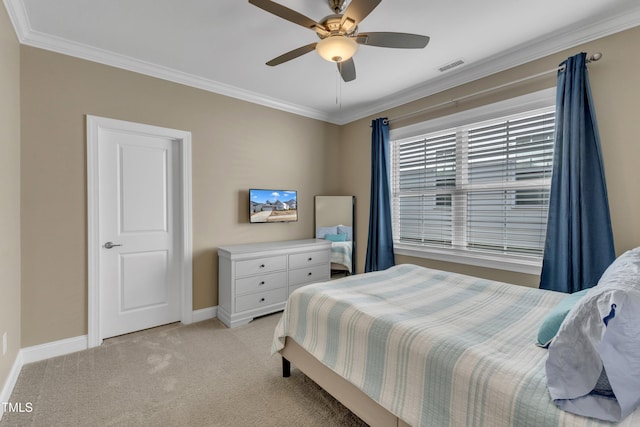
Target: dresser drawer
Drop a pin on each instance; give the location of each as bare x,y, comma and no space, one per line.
261,299
308,258
262,282
312,274
261,265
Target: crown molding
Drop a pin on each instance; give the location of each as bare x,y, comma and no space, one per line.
552,43
27,36
519,55
82,51
18,17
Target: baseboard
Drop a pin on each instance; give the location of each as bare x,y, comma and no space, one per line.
48,350
10,383
35,354
205,314
45,351
71,345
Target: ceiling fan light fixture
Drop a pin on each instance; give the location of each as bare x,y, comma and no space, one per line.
337,48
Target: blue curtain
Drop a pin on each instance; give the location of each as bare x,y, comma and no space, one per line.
380,242
579,242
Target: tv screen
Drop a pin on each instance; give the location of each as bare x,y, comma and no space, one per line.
273,205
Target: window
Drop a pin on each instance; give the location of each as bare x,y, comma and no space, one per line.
477,190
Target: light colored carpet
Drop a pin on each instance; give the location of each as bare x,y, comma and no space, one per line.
202,374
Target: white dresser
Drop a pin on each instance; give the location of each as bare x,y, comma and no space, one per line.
256,279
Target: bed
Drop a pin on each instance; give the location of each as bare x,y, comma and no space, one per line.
341,256
341,238
423,347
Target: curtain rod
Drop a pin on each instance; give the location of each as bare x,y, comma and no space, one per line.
591,58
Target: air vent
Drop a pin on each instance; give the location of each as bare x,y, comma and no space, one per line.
450,65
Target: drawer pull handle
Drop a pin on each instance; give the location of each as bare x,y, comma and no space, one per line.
261,266
261,299
310,273
261,283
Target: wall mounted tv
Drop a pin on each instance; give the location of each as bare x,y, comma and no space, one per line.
273,205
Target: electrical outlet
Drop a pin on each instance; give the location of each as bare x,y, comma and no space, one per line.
4,343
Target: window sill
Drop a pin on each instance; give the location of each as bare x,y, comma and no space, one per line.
520,264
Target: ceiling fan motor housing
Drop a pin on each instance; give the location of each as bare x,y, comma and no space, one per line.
332,25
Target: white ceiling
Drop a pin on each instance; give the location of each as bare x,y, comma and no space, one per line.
222,45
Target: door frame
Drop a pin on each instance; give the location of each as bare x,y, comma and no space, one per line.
184,233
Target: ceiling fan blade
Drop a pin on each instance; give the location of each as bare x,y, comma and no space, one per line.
347,70
286,13
292,54
358,10
395,40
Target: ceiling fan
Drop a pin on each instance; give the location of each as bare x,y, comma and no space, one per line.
339,36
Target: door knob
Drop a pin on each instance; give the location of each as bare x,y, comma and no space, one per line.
110,245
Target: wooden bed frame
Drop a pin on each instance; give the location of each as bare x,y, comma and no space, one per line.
346,393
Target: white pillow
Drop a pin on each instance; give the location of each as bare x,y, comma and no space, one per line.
344,229
323,231
601,332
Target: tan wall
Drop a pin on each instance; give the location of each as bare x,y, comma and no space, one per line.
333,210
9,194
615,84
236,145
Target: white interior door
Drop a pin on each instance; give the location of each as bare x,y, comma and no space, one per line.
139,286
139,227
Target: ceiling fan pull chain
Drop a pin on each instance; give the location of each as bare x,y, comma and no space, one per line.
338,89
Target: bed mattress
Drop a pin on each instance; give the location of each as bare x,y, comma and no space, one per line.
432,347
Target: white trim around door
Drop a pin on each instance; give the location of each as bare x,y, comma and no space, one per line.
94,125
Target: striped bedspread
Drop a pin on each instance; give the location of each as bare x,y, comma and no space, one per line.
341,254
433,348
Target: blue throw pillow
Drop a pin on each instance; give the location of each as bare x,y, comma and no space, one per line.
554,319
336,237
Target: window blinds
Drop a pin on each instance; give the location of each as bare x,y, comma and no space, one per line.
482,187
